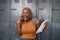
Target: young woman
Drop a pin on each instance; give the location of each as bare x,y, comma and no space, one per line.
27,29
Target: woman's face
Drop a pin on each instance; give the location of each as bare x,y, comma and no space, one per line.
26,14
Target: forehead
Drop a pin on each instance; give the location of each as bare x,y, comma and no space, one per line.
25,11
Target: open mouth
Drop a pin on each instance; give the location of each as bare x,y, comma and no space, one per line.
25,18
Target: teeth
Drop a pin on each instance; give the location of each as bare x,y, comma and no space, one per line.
25,18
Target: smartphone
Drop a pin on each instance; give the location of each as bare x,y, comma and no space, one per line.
22,18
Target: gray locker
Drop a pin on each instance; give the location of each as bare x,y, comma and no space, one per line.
44,11
56,20
4,20
15,11
4,30
47,9
56,4
56,25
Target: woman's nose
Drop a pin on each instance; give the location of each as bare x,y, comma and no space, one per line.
24,14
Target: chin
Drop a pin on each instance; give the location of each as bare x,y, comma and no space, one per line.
25,20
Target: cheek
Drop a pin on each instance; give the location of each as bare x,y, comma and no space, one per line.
23,14
27,14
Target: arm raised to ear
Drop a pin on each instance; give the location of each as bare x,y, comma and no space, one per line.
18,29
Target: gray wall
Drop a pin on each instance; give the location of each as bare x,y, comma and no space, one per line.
56,20
47,9
4,20
44,11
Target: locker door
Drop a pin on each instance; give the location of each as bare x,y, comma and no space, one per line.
4,20
56,20
15,11
32,5
44,11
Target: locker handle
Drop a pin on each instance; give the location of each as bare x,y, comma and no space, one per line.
13,9
40,8
1,9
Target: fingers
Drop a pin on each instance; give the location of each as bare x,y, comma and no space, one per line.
46,24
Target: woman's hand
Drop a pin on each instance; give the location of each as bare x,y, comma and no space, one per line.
18,28
46,24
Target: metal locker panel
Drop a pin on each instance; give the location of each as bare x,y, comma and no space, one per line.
4,20
17,1
16,10
3,1
4,10
4,30
56,31
13,28
56,25
56,28
44,11
43,4
14,14
4,16
56,16
13,35
13,18
56,4
32,6
44,35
